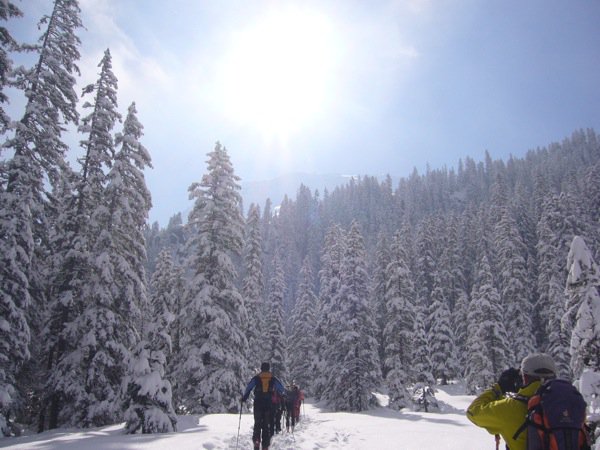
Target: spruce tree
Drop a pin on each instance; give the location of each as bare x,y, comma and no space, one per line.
513,282
582,316
487,342
8,10
444,362
84,279
149,393
253,285
353,356
329,277
377,294
214,313
274,339
36,165
399,299
302,337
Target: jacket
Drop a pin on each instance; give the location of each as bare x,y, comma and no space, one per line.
503,415
263,384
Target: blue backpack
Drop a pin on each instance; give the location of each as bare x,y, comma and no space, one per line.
556,418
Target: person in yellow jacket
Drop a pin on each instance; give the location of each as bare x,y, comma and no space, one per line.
503,414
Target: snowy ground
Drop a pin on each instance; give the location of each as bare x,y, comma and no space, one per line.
381,428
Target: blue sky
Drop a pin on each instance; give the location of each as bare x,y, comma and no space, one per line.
348,87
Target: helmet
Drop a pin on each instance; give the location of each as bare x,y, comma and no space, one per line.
538,365
265,367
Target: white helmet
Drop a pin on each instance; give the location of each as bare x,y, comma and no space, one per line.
539,365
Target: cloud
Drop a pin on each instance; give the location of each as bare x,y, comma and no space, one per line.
140,76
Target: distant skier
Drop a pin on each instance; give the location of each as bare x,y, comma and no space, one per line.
294,400
263,384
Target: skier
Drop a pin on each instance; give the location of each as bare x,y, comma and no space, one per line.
501,414
278,406
295,397
263,384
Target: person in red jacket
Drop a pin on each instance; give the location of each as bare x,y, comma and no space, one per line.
295,397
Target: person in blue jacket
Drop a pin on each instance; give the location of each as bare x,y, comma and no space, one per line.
263,384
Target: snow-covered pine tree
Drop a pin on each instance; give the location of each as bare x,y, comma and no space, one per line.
8,10
329,276
274,338
399,297
352,355
512,281
82,301
37,162
149,393
253,285
444,361
214,313
582,316
302,337
423,390
421,358
487,342
377,294
553,230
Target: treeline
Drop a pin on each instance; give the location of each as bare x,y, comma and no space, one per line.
452,273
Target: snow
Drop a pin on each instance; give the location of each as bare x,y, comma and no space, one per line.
380,428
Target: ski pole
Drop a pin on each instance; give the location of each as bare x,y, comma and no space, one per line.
497,441
239,425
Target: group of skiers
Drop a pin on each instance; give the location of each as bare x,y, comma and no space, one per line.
271,402
531,409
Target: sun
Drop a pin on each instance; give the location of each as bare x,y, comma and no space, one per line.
277,73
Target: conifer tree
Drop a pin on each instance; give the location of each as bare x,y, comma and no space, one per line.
253,283
37,164
487,342
511,252
582,316
444,362
377,294
329,277
421,358
275,341
80,392
302,338
554,228
8,10
353,359
149,393
214,313
399,325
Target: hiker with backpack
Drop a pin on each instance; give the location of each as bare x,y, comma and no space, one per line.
263,384
278,402
294,400
531,409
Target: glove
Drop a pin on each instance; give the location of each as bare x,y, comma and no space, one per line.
510,380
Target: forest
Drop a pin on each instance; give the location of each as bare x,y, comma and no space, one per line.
373,286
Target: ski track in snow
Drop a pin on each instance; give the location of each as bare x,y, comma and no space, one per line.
380,428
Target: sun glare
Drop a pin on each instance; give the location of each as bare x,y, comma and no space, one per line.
275,77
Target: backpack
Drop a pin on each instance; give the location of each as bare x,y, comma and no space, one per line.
264,387
556,418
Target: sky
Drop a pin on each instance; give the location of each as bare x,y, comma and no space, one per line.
339,86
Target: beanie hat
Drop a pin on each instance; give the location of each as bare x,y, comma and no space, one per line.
538,365
265,367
